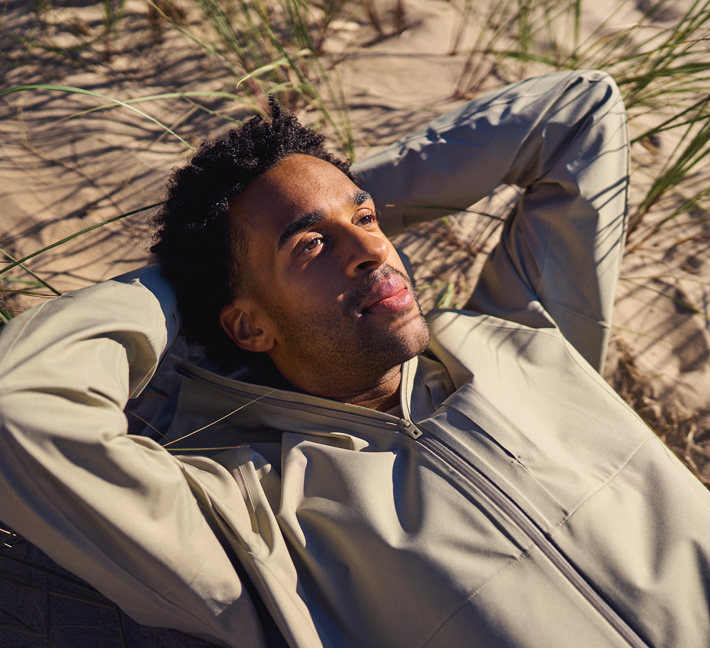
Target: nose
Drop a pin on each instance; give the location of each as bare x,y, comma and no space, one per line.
367,251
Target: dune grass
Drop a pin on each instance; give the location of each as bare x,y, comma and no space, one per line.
274,46
269,47
660,62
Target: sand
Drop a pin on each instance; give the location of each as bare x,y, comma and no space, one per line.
60,175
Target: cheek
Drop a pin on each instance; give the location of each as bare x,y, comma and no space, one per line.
313,291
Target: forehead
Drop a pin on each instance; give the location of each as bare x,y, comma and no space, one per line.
299,184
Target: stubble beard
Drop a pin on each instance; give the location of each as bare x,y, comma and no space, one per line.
345,344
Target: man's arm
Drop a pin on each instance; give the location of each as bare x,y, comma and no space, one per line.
115,509
562,138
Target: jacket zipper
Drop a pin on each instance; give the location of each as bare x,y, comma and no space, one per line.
494,495
402,425
529,528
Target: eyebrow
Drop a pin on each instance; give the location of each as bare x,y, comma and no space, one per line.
314,217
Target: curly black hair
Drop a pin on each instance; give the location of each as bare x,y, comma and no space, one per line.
201,256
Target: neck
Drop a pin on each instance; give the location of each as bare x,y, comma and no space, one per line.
381,397
379,394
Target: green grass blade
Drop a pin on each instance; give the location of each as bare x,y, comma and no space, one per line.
446,296
674,121
675,300
26,282
41,281
122,632
30,631
206,46
73,236
694,152
90,93
5,316
218,94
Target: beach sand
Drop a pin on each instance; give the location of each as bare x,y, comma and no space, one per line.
59,176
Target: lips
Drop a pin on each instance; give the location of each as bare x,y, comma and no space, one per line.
391,295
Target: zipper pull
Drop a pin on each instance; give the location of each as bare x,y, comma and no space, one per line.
409,428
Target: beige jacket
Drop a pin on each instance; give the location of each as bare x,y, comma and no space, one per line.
518,501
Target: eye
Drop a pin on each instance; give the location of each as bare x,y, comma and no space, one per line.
312,244
366,218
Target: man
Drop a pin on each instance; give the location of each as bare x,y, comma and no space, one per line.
486,489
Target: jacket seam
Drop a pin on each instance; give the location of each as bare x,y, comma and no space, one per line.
525,555
251,498
608,481
585,366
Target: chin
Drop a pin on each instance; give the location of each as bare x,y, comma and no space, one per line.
411,338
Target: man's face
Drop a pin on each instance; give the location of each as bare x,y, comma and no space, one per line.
324,280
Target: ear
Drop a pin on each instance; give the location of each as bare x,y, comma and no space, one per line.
244,323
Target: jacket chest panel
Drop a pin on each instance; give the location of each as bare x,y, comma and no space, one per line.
385,542
532,415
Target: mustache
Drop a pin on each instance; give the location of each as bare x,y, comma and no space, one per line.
354,301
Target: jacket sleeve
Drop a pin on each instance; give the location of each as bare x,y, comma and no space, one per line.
562,139
115,509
